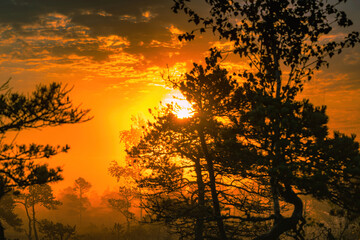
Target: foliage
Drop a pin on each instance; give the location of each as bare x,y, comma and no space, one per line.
182,183
137,232
284,144
42,195
331,222
279,147
132,136
123,204
127,174
56,231
7,214
37,195
117,230
274,140
81,186
271,32
242,133
348,223
46,106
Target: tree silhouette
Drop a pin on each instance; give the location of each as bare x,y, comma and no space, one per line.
37,195
251,137
81,186
117,230
7,214
276,141
46,106
127,174
183,183
123,204
128,192
163,198
56,231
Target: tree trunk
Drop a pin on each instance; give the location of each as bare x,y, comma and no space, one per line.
127,224
286,224
34,221
273,181
210,168
81,204
199,225
141,209
29,220
2,232
275,195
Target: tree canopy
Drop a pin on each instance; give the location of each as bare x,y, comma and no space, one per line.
251,144
48,105
276,139
36,195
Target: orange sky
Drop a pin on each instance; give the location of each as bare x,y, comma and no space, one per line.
113,53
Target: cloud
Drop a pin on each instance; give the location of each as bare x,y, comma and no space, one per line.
78,26
110,38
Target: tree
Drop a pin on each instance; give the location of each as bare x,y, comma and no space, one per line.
46,106
277,141
37,195
127,174
56,231
123,205
81,186
117,230
128,192
235,126
158,187
183,184
7,214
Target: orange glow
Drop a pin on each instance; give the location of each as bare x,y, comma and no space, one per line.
116,59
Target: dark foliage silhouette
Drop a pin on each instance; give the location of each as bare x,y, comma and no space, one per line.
81,187
46,106
56,231
283,143
255,132
36,195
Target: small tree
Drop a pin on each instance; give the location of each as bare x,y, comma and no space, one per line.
81,186
127,174
117,230
46,106
123,205
7,214
37,195
56,231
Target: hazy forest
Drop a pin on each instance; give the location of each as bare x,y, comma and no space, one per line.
247,157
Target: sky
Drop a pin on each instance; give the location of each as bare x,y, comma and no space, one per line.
114,53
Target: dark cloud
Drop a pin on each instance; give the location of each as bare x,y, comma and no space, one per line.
36,23
92,13
34,28
25,11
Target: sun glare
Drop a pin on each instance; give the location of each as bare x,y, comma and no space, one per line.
184,112
182,108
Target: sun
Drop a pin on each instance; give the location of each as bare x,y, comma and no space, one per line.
184,112
182,108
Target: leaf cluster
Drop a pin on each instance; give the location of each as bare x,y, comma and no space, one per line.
46,106
56,231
